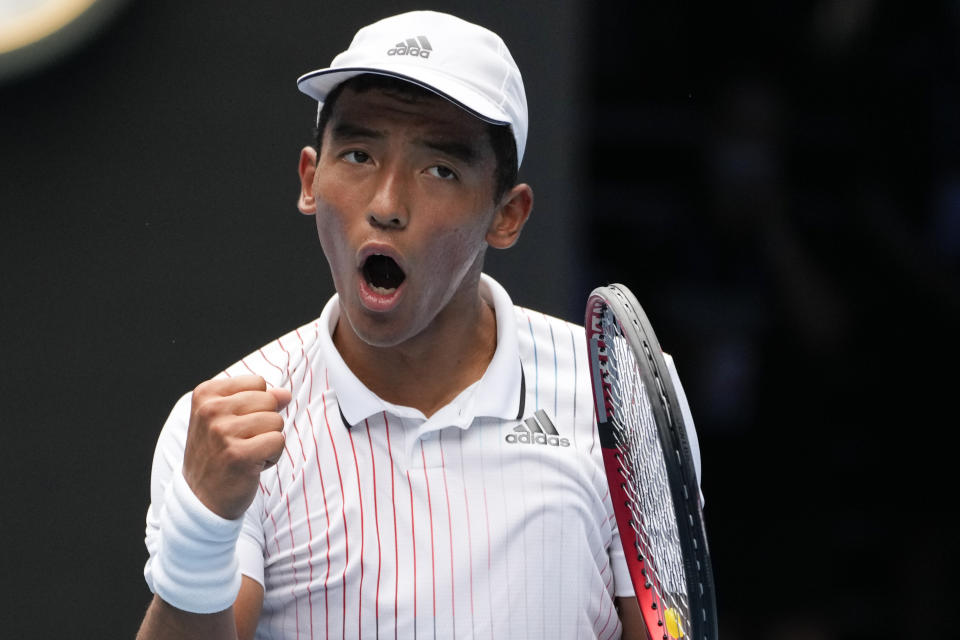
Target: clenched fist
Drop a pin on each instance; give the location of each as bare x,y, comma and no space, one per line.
235,433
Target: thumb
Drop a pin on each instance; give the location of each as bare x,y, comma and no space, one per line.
281,395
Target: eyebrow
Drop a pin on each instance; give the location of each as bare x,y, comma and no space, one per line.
349,130
463,151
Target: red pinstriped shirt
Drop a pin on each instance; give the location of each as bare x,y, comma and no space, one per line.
490,519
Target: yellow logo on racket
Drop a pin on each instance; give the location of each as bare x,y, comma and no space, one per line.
673,621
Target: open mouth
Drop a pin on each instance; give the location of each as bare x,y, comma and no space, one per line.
382,273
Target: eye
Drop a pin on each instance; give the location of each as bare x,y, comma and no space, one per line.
440,171
356,157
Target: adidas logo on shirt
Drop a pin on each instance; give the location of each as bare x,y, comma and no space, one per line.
538,429
418,46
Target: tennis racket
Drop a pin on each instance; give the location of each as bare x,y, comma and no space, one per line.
650,470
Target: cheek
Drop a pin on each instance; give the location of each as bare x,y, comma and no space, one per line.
457,248
326,223
332,232
332,201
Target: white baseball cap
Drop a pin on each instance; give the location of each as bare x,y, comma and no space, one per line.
465,63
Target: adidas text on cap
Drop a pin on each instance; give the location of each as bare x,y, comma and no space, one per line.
462,62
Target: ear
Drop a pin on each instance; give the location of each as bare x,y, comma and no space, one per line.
307,168
511,215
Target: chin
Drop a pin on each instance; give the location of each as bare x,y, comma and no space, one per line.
374,330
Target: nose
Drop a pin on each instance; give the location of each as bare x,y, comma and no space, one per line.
388,207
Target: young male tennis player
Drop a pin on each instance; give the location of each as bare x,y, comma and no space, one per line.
421,460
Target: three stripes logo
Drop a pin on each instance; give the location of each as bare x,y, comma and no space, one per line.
418,46
538,429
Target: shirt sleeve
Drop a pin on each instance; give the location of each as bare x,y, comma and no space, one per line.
251,549
167,460
622,584
687,420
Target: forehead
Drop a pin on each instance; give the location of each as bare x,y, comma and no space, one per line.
417,113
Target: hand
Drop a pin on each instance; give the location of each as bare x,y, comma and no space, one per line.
235,433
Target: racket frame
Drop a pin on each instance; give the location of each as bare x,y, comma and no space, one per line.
678,460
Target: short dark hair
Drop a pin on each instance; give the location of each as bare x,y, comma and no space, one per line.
501,136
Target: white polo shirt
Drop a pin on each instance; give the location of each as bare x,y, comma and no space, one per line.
490,519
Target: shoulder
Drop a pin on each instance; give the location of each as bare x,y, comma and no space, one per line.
554,356
279,360
539,330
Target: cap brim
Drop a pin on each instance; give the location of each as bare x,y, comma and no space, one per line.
318,84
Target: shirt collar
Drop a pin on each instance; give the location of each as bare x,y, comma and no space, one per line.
499,393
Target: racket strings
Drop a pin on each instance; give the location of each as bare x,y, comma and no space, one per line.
662,397
646,483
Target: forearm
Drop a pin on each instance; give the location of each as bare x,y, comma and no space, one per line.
165,622
233,432
632,619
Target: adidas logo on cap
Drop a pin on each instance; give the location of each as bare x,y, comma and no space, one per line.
418,46
538,429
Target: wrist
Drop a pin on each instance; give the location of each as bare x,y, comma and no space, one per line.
196,567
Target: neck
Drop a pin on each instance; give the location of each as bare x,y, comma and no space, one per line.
430,370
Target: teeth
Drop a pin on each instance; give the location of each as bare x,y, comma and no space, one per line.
382,291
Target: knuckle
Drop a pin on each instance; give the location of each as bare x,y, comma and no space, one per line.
219,428
233,457
205,388
274,422
276,445
207,409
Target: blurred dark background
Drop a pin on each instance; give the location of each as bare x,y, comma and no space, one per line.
779,183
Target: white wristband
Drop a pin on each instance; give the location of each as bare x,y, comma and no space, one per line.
195,568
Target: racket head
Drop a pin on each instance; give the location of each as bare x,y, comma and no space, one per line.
649,468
